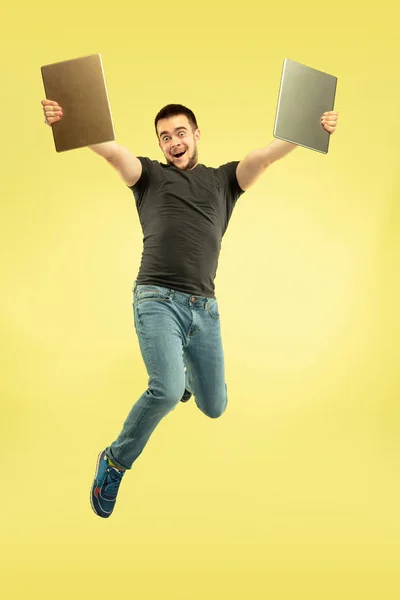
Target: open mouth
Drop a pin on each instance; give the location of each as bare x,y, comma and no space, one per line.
180,154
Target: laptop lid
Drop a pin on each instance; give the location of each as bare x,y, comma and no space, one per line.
304,95
79,87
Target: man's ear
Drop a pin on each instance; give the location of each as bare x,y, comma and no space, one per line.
197,135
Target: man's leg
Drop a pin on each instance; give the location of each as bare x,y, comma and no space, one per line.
160,338
160,330
204,360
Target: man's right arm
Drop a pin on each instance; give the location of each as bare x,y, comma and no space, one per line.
124,162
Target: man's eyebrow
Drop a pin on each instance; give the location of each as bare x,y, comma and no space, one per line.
176,129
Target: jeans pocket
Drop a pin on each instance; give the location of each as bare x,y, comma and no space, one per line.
212,309
155,293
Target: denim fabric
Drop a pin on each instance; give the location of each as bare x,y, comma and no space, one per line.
175,330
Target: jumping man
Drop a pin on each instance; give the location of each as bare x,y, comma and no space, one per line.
184,209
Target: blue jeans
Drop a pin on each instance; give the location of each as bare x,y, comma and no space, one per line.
175,330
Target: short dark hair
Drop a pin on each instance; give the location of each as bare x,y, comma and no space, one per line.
173,110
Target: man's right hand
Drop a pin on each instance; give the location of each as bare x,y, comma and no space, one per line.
52,111
128,166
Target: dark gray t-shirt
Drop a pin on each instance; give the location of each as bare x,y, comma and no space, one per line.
184,215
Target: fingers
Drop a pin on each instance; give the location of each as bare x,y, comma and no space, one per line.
329,125
46,102
332,113
52,111
330,117
52,117
329,120
51,120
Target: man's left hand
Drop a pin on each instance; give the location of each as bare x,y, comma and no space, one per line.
329,120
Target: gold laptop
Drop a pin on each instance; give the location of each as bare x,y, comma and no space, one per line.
79,87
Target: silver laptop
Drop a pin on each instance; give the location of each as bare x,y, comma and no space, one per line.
304,95
79,86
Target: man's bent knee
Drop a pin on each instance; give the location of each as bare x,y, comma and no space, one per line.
214,411
166,396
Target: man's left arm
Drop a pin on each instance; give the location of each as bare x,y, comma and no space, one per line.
256,162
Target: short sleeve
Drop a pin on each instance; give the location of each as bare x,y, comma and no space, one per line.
229,180
141,186
230,186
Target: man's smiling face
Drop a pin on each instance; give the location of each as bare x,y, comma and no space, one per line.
178,141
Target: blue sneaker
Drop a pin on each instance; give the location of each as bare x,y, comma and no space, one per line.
186,396
105,486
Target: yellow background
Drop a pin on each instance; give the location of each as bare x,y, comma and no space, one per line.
294,493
